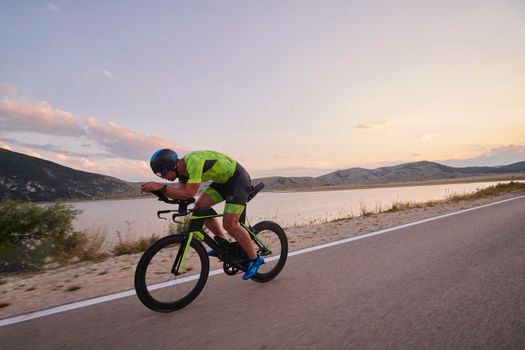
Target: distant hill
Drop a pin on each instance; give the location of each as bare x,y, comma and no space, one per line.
24,177
28,178
409,172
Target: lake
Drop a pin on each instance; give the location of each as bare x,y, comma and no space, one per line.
132,218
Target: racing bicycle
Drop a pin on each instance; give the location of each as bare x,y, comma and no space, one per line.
173,271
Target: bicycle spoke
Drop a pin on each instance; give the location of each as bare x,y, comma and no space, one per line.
159,288
272,242
163,285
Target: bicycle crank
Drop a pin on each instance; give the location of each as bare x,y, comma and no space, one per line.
230,269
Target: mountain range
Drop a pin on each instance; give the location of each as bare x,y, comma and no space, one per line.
23,177
398,174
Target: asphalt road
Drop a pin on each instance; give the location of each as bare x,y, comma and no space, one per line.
452,283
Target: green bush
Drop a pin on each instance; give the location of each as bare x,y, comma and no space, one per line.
30,233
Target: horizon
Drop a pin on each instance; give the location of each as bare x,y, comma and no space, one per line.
295,176
285,88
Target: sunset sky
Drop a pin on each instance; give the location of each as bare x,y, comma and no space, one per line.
285,87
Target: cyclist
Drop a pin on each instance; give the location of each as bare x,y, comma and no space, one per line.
230,182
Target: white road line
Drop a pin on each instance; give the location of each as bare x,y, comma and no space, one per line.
98,300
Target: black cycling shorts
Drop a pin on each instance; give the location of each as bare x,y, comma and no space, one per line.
235,191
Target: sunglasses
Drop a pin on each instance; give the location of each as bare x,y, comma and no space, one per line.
162,172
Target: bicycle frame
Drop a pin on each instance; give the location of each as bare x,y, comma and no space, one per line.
195,231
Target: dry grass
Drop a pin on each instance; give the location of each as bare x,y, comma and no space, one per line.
366,211
489,191
133,246
498,189
400,205
90,245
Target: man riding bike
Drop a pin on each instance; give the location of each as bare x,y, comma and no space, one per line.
230,182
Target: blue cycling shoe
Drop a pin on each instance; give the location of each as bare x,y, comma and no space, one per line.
212,253
253,266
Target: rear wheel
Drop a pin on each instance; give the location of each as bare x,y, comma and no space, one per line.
274,238
157,287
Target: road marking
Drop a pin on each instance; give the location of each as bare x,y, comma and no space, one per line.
102,299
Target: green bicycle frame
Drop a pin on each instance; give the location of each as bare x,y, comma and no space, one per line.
195,230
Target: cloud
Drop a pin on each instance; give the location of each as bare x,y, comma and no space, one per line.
378,124
312,167
422,137
502,155
129,170
37,117
76,162
281,157
8,88
5,146
53,149
511,150
123,142
116,141
105,73
52,7
29,152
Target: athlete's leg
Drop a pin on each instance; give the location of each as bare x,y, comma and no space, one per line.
231,224
205,202
236,194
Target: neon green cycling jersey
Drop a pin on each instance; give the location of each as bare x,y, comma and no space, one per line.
209,166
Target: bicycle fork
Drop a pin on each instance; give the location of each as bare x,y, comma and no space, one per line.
183,251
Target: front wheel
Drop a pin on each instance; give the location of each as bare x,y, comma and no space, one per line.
274,238
157,287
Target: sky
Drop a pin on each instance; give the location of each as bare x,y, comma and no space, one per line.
290,88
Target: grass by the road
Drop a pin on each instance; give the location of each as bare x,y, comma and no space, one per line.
499,189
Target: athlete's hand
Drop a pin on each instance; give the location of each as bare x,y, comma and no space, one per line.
151,186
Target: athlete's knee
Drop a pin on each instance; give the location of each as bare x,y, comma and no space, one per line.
230,223
204,202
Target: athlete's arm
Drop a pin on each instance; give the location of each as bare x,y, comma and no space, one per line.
184,192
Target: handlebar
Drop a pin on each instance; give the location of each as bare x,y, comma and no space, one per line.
183,204
162,197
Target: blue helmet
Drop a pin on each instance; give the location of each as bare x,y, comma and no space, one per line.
163,161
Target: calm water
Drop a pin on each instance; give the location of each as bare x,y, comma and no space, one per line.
137,217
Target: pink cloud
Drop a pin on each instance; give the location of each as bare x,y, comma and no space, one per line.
8,88
37,117
118,141
6,146
124,142
377,124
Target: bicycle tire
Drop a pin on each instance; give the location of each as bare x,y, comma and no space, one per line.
267,229
150,295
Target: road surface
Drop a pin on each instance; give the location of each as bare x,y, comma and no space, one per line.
453,283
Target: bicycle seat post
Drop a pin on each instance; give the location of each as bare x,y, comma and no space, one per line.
183,208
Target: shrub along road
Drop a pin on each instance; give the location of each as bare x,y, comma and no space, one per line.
451,283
